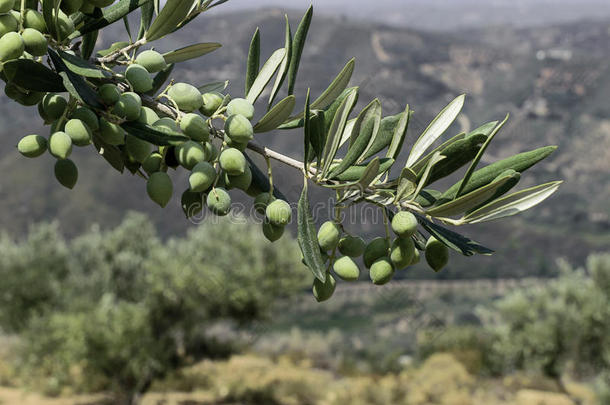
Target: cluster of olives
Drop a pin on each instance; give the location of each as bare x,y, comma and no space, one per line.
380,256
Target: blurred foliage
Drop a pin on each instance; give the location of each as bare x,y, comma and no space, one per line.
115,309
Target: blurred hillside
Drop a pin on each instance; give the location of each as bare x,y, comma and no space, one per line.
553,81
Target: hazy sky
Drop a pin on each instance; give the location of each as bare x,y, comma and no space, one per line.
446,14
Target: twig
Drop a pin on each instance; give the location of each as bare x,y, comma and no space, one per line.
113,56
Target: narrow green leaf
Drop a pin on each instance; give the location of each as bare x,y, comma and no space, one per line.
110,153
336,87
172,14
32,76
254,60
190,52
307,237
355,172
385,135
453,240
276,115
370,173
82,67
88,45
298,44
407,184
307,147
153,135
265,74
478,157
365,128
261,181
74,83
513,203
399,134
467,201
421,164
48,8
110,15
437,157
336,131
214,86
146,17
318,135
436,128
160,79
127,28
283,71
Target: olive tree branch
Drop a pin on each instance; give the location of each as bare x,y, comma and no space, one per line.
113,56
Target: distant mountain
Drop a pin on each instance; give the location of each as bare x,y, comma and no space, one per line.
446,15
553,81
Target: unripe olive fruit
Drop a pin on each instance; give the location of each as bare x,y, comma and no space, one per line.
219,201
241,181
346,269
111,133
278,212
138,149
401,253
11,46
186,96
54,105
65,25
152,163
87,116
211,103
167,124
34,19
151,60
159,188
128,106
381,271
237,145
109,93
8,23
35,43
189,153
78,131
324,290
416,257
147,116
376,248
71,6
139,78
191,202
242,107
30,98
352,246
211,151
32,146
437,254
261,202
202,177
87,8
239,129
66,173
328,235
60,145
272,232
232,161
404,224
195,127
6,5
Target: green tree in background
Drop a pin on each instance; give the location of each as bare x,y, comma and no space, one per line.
125,101
113,310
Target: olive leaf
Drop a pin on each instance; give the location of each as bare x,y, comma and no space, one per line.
298,44
152,135
478,157
88,45
355,172
283,70
146,17
109,16
399,134
406,185
31,75
260,180
364,128
437,127
265,74
307,147
437,157
190,52
214,86
370,173
172,14
82,67
254,60
276,115
512,204
453,240
336,132
75,84
110,153
384,136
307,237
